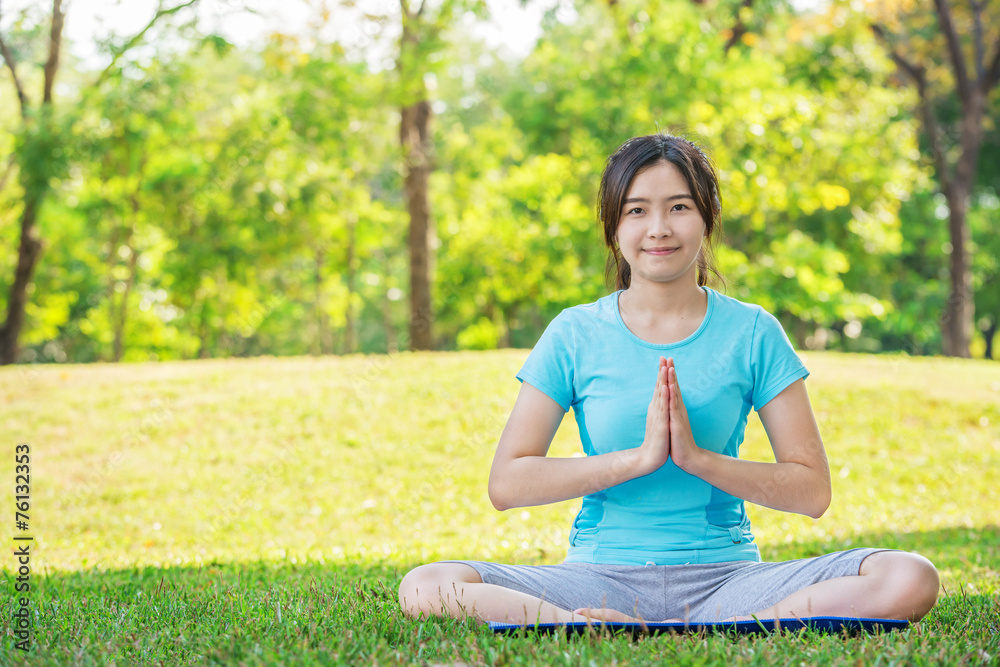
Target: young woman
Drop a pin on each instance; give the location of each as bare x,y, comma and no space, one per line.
663,533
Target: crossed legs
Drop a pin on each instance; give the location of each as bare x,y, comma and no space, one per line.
457,590
890,584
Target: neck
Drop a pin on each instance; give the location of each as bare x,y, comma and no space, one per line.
659,300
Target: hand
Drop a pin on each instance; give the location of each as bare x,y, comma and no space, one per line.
655,449
682,446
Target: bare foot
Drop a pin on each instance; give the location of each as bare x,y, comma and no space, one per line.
614,616
610,615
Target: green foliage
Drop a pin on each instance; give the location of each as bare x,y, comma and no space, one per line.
209,200
482,335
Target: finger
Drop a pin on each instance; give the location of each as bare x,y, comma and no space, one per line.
676,402
675,384
662,406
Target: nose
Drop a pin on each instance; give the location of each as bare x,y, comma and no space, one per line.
659,226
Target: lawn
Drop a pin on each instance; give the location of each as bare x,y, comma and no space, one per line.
263,511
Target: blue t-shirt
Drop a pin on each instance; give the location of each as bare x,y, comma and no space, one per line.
587,359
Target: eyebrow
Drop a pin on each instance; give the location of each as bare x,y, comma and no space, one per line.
643,200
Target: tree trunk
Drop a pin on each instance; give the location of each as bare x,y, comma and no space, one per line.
507,316
960,311
416,142
350,324
118,348
204,333
989,334
956,323
28,252
321,343
391,344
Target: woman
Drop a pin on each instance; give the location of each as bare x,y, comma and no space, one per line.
662,533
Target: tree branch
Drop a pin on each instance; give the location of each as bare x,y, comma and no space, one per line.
55,45
739,29
160,13
993,73
913,71
8,57
919,76
954,49
977,34
7,171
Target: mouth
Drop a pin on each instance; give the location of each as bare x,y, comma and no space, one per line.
660,251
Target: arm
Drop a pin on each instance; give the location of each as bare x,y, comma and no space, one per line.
799,479
522,475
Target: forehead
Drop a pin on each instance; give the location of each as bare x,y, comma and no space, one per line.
661,178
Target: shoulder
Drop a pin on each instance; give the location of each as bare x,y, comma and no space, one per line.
754,322
585,315
736,311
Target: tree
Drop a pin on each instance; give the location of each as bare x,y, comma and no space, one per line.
415,139
913,46
420,40
39,157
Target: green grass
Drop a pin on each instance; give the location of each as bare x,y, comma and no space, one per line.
263,511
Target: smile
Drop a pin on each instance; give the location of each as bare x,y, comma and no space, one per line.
661,251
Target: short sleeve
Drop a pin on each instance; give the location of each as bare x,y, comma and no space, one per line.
773,362
549,367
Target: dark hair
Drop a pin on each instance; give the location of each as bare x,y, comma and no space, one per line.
640,153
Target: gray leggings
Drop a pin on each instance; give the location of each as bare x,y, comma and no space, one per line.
699,593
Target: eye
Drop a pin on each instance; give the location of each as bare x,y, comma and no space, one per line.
680,207
635,211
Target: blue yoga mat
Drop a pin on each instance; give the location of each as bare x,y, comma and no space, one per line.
829,624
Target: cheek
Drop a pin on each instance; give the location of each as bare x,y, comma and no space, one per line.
621,235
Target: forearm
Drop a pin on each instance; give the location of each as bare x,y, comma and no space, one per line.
538,480
786,486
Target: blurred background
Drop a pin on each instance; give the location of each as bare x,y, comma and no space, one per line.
187,179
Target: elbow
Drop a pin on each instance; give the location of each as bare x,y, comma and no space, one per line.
497,496
498,505
818,511
498,501
821,503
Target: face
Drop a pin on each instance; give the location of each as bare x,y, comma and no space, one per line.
660,231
